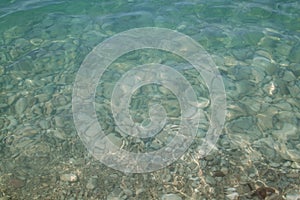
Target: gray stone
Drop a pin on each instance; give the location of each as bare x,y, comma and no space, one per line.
21,106
92,183
171,197
293,195
44,124
288,76
233,196
69,177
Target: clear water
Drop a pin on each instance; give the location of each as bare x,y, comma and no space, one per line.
256,47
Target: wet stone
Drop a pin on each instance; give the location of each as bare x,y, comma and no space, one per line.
242,54
252,37
44,124
36,41
127,192
171,197
43,97
27,131
241,124
12,122
266,147
246,87
49,108
20,106
294,90
59,122
259,75
92,183
295,165
59,134
241,72
288,76
265,121
274,164
253,105
16,183
36,109
69,177
22,44
233,196
210,180
293,195
264,64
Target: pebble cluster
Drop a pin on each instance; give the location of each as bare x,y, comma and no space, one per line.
257,155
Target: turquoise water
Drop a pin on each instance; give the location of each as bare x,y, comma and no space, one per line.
256,48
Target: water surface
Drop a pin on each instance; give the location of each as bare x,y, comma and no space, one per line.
255,45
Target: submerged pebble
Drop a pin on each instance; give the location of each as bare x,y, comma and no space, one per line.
171,197
69,177
16,183
92,183
21,105
36,41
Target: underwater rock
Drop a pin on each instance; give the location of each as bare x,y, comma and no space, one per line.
92,183
21,105
171,197
69,177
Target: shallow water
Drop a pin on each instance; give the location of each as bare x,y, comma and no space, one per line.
256,48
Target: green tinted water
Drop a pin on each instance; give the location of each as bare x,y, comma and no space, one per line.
256,47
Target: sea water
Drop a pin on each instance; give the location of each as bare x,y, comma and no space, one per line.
255,47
